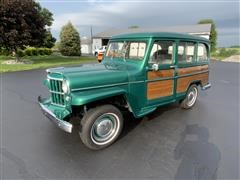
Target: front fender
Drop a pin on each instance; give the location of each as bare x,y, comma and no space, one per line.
84,97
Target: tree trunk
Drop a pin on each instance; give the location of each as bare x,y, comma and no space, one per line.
17,56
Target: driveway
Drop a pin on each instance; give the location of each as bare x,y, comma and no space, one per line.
169,143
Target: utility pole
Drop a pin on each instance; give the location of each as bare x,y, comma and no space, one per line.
91,38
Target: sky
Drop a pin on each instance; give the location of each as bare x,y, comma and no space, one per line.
105,14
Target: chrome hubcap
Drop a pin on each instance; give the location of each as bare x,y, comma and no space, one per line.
192,96
105,128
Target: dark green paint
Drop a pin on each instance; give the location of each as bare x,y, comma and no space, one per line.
113,77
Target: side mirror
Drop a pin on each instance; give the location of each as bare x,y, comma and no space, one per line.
155,67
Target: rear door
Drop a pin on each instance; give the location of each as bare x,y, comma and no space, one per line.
161,83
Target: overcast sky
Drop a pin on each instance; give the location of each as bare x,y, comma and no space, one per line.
105,14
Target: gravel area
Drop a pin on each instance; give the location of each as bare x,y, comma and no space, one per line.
235,58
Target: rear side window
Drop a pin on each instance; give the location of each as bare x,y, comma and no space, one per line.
186,52
202,54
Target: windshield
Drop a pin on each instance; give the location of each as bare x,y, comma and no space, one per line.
127,49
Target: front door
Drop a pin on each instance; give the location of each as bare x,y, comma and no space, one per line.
160,79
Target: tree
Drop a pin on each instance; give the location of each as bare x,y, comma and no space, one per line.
48,40
21,25
213,33
70,44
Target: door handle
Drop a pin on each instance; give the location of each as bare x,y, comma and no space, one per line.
172,67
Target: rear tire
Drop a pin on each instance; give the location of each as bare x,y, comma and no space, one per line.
190,98
101,126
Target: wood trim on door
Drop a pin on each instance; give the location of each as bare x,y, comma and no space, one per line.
160,74
189,70
184,82
160,88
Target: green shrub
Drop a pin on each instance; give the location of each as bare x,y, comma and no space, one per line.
34,51
4,52
28,52
227,52
20,53
48,51
41,51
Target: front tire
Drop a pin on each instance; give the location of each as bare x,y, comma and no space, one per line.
101,126
190,98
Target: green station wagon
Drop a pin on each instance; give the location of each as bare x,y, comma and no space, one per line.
139,72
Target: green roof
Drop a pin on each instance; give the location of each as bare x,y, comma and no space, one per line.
159,35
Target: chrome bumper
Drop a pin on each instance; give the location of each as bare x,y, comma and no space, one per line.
64,125
207,86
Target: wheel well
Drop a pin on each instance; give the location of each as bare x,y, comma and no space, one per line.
118,101
198,83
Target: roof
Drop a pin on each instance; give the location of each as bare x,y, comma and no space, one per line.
160,34
190,29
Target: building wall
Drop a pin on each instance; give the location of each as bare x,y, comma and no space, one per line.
97,43
86,49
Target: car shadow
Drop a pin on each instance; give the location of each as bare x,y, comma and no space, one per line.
130,122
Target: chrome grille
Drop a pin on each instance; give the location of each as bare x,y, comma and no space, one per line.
57,95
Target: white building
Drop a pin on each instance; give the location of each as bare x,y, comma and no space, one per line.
86,47
101,39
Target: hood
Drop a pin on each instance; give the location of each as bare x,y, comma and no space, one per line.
91,75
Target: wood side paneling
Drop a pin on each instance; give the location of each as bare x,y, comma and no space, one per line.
189,70
163,88
184,82
160,74
159,89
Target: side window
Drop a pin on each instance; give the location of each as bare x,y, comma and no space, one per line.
186,52
115,49
202,54
162,52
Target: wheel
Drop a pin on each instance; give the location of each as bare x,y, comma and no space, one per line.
101,126
190,98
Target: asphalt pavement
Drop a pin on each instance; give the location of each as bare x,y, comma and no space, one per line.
169,143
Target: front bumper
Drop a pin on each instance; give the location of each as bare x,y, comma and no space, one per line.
64,125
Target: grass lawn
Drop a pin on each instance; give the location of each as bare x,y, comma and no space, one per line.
43,62
222,53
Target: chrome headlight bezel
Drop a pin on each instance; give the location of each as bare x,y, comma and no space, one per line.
65,87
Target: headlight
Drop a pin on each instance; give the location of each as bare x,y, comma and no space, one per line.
65,86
